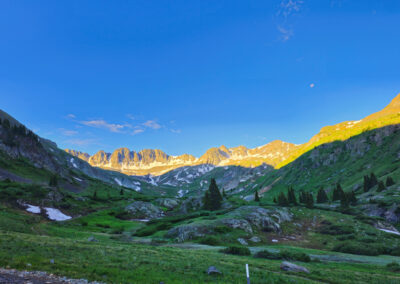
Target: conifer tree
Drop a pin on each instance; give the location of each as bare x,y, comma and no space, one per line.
256,197
389,181
274,200
53,180
366,183
302,198
282,200
6,124
291,197
224,193
381,186
344,201
352,198
121,192
95,194
309,200
337,193
212,200
322,197
373,180
206,201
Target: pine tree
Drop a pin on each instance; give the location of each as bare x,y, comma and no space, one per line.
256,197
309,200
322,197
274,200
121,192
373,180
53,180
206,201
389,181
6,124
366,183
344,201
212,198
337,193
381,186
352,198
282,200
302,198
224,193
291,197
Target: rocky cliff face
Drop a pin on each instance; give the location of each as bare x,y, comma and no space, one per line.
156,162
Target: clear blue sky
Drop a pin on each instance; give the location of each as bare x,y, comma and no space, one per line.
183,76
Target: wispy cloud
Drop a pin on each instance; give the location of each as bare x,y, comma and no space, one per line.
312,85
177,131
100,123
286,9
67,132
137,131
130,116
152,124
286,33
81,142
71,116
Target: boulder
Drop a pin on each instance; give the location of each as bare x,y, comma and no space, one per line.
255,239
188,232
242,241
144,210
168,203
191,204
291,267
213,270
238,224
92,239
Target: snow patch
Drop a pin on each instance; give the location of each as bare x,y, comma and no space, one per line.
390,231
78,179
73,163
56,215
33,209
118,181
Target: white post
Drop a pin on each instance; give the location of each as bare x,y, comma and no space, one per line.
247,274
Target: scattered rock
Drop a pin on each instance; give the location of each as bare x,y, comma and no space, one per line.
144,210
92,239
288,266
255,239
52,261
188,232
275,241
193,203
213,270
242,242
169,203
238,224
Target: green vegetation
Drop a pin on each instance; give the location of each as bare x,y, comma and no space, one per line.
212,197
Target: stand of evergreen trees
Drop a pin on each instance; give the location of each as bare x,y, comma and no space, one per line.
53,181
212,198
369,182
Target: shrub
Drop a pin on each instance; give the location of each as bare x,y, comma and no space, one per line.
336,230
297,256
117,231
267,254
236,250
361,248
346,237
210,240
394,267
223,229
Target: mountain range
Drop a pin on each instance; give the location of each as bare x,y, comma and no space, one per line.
276,153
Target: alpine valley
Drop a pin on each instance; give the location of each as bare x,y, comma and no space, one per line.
327,211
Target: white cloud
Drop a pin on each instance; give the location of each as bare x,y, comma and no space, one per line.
81,142
100,123
286,33
152,124
72,116
67,132
312,85
177,131
288,7
137,131
130,116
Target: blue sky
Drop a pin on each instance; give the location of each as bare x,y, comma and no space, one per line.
184,76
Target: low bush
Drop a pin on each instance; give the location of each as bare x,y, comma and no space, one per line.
284,254
336,230
223,229
361,248
117,231
394,267
236,250
210,240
